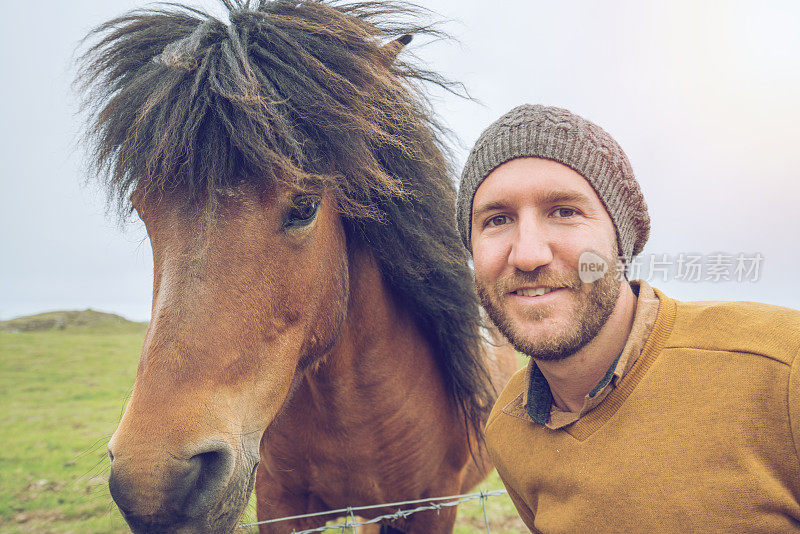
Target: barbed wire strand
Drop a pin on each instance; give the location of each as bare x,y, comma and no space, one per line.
400,514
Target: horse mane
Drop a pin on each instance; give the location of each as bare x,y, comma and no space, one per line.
295,92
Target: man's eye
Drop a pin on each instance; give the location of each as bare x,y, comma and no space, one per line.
302,212
565,212
497,220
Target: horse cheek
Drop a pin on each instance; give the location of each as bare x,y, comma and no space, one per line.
327,302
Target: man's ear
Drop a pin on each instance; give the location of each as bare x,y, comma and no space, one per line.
390,50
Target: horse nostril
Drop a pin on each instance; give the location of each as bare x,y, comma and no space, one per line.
208,477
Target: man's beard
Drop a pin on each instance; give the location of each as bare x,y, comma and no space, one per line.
592,310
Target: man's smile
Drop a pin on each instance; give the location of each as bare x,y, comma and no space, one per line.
539,296
534,291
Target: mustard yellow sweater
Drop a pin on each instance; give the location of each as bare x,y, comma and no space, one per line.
701,435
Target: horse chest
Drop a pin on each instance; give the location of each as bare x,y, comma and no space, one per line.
353,461
361,471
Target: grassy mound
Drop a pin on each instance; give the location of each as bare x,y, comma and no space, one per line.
83,320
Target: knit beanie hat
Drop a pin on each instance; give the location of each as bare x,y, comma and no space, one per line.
557,134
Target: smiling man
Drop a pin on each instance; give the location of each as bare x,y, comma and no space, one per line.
636,412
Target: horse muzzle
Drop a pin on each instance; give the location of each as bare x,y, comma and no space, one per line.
169,493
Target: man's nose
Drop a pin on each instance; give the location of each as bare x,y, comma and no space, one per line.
531,247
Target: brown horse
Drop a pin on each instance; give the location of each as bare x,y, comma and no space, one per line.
314,329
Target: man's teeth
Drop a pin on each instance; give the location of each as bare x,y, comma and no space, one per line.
534,292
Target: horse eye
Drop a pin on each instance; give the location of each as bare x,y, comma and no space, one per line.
302,212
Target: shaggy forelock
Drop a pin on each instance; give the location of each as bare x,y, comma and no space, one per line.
290,92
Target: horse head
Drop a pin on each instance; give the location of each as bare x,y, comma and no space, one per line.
241,305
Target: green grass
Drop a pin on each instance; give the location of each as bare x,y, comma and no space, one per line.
62,392
63,386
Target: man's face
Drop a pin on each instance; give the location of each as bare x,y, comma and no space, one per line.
532,219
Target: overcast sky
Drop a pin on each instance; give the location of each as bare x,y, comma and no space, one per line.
703,96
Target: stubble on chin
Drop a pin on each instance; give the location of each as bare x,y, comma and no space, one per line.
593,305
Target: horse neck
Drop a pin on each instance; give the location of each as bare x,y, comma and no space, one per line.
380,347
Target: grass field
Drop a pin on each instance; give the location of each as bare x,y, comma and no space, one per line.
63,385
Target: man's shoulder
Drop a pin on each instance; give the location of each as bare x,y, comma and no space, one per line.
737,326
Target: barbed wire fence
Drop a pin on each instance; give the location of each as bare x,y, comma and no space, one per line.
435,503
